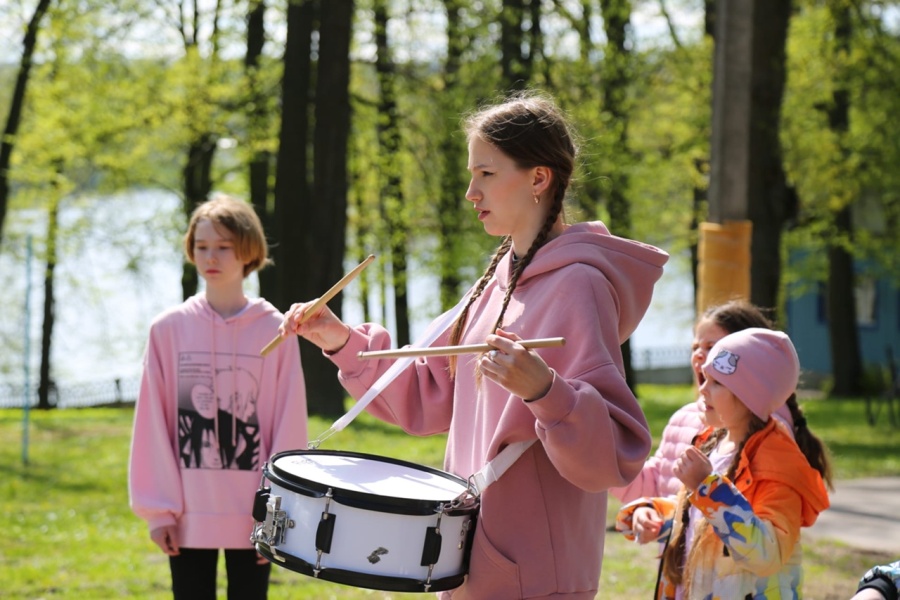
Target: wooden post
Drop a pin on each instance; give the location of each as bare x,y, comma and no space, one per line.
723,270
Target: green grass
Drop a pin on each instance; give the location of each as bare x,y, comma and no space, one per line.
69,534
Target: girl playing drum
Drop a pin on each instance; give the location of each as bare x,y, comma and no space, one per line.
541,525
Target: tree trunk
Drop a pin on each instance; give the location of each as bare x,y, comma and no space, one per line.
841,309
700,194
747,180
450,213
391,198
770,200
257,131
699,202
843,336
709,17
45,384
16,105
616,79
515,61
322,231
291,172
197,177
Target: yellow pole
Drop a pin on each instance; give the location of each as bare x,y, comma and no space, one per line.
723,270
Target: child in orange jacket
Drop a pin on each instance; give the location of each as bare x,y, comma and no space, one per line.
748,486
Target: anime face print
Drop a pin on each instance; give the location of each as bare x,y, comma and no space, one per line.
218,427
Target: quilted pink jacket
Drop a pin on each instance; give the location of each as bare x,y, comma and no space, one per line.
656,477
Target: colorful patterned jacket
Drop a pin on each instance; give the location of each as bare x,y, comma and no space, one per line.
748,545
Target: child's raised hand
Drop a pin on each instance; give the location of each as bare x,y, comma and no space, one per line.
692,467
646,524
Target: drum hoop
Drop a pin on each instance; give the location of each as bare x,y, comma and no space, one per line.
368,500
386,583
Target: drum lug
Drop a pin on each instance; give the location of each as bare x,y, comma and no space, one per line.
431,550
463,535
324,533
272,531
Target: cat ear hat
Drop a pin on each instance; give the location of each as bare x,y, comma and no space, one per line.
759,366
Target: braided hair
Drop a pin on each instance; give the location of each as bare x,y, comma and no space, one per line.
532,131
813,448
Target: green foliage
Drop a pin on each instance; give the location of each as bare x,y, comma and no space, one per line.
857,168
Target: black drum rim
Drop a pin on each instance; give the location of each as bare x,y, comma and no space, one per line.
387,583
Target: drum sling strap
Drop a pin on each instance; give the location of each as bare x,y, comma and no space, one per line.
492,471
272,520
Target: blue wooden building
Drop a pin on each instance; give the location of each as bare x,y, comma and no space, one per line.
878,324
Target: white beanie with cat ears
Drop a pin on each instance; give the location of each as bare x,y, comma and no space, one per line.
759,366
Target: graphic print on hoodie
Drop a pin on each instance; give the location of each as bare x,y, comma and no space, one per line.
218,426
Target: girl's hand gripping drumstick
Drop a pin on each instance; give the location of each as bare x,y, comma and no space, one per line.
323,300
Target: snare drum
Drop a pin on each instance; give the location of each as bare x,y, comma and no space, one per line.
365,521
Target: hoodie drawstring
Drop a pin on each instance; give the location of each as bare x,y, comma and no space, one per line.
234,383
215,387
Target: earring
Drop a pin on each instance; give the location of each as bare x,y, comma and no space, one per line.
537,199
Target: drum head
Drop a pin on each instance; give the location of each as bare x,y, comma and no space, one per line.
356,475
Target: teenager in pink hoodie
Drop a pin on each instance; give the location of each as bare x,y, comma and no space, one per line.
211,410
656,477
541,524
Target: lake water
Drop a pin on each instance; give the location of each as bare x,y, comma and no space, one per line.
119,271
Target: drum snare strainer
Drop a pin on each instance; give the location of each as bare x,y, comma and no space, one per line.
365,520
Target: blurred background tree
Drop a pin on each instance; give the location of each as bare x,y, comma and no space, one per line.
339,121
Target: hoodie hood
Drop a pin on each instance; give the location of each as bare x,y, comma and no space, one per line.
199,306
631,267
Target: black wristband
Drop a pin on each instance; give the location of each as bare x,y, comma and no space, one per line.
882,584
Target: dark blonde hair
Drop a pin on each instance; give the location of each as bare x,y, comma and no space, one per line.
674,554
240,220
532,130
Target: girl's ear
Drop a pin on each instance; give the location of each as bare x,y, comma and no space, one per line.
541,180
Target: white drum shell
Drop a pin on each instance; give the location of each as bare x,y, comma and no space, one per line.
374,533
364,541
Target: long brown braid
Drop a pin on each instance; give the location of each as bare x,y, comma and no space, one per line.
814,449
532,131
456,332
674,555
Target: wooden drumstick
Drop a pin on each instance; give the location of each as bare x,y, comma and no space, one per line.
449,350
318,304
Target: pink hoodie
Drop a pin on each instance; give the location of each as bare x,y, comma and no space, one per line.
541,525
203,376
